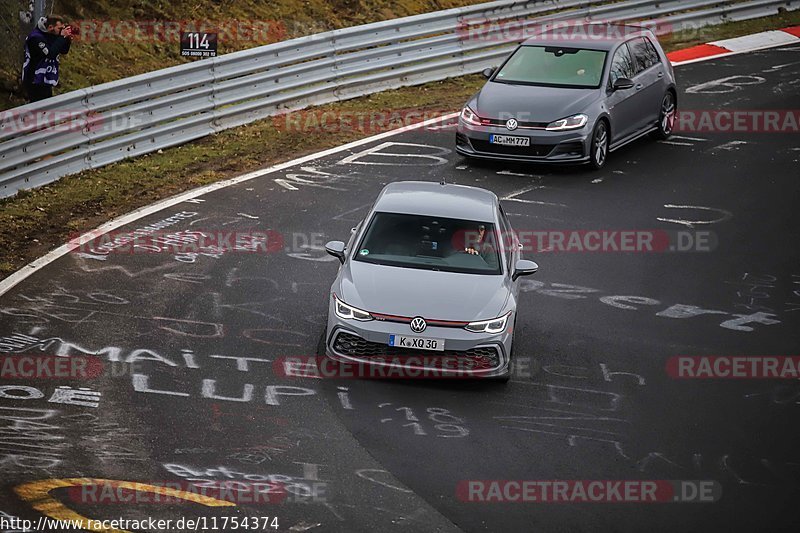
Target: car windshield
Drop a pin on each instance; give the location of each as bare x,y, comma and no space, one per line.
554,66
431,243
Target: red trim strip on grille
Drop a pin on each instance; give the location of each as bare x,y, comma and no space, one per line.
431,322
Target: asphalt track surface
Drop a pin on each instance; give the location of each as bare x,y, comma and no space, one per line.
590,399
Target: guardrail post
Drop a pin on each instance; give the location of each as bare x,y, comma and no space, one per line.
88,124
462,32
215,124
334,54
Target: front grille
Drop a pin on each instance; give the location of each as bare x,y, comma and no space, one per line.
535,150
354,346
522,124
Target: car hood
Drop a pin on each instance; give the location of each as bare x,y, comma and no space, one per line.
430,294
531,103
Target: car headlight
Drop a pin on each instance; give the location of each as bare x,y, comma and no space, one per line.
469,116
495,325
348,312
570,123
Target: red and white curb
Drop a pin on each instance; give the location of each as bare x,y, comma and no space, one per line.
736,45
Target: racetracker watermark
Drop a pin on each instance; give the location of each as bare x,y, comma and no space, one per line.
150,31
473,29
592,241
330,121
411,366
686,120
175,492
74,367
57,120
738,121
589,491
15,367
194,241
734,367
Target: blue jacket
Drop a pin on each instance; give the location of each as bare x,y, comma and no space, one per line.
41,58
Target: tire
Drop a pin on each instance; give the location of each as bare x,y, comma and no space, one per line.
600,144
666,116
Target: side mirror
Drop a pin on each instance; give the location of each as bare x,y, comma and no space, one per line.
622,84
336,249
487,72
523,267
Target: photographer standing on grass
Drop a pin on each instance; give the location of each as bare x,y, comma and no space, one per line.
46,42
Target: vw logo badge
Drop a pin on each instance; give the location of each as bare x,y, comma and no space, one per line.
418,325
512,124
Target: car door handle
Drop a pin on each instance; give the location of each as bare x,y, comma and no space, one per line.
660,74
638,86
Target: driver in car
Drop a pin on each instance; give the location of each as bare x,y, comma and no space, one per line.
478,245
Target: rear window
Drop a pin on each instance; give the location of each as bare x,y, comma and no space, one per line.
556,66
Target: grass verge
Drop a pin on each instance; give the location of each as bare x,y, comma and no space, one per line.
33,222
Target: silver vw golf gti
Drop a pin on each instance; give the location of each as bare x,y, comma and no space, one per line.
428,284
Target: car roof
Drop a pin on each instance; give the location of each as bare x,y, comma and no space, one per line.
436,199
596,36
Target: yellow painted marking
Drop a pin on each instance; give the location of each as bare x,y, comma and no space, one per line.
37,494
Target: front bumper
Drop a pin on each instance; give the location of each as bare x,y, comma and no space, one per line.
546,146
466,354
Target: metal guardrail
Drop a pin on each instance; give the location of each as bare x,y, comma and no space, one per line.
95,126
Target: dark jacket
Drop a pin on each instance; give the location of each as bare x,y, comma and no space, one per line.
41,57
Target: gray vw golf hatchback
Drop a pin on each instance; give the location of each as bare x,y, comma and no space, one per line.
572,98
428,284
